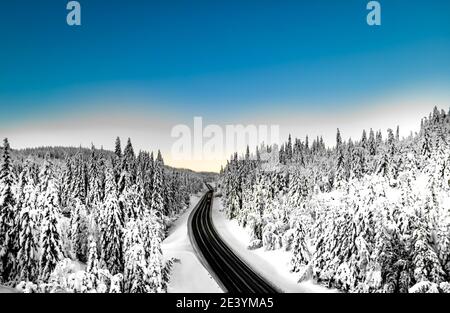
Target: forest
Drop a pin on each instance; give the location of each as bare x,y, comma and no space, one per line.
365,215
105,212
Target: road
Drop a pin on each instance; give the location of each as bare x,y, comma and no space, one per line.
230,272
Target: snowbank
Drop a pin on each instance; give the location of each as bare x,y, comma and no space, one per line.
272,265
188,275
4,289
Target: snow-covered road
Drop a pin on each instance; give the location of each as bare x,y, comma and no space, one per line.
271,265
189,275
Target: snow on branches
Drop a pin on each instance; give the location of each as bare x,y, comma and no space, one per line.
370,215
107,209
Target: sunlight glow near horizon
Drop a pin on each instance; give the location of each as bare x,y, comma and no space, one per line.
150,132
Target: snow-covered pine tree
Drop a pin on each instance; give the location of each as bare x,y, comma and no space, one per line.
342,167
135,270
80,178
78,231
45,175
67,182
129,163
300,252
51,252
289,149
425,259
295,193
8,229
92,265
96,180
118,149
112,227
156,267
27,257
364,139
371,143
157,204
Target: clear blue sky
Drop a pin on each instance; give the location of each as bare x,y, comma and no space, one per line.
220,59
200,55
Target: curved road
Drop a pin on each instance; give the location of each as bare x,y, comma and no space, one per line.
232,273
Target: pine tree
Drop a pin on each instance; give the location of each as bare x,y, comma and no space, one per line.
95,192
135,261
426,144
155,271
300,255
27,257
379,138
50,237
80,178
112,227
338,140
68,183
45,175
157,204
130,161
8,229
391,143
364,139
78,231
289,149
92,261
118,149
371,143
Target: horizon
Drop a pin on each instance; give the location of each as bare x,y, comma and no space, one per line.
110,148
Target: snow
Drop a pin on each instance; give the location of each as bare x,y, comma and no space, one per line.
78,266
4,289
188,275
271,265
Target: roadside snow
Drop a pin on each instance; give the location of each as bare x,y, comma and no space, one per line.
4,289
188,275
271,265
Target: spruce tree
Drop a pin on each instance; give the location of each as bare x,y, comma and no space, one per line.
118,149
92,266
300,254
78,231
371,143
155,271
129,159
157,204
364,139
51,252
112,227
289,149
8,229
135,260
27,257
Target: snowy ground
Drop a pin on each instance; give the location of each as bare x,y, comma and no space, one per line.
4,289
188,275
272,265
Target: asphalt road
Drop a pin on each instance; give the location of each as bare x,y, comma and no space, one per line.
232,274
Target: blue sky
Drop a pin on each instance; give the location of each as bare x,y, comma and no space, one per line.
220,59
